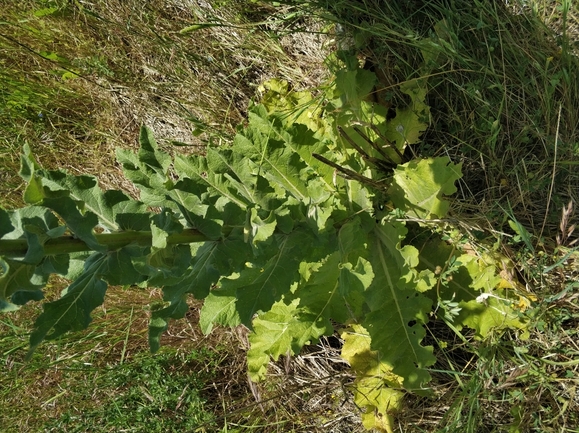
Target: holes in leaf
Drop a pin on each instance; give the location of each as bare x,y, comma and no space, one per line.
411,323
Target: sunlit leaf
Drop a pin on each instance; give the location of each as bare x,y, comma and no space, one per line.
419,187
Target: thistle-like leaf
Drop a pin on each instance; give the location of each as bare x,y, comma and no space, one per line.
16,287
398,310
472,284
376,388
72,311
419,186
277,332
149,169
41,190
260,284
270,157
211,261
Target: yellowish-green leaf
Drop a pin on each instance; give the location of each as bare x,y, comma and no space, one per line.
376,388
419,187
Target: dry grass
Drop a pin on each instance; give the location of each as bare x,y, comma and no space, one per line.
84,78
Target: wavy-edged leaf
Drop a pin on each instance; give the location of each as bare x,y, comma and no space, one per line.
270,157
38,191
149,153
16,284
238,170
473,285
260,284
72,311
88,195
81,225
162,225
261,229
305,315
36,224
109,206
277,332
376,387
199,212
63,193
419,186
211,261
354,85
220,307
398,310
333,291
410,122
148,169
217,184
120,269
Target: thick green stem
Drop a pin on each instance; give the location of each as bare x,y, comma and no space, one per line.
113,241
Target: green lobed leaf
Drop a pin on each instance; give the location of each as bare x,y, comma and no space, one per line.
200,213
204,179
220,307
211,261
410,122
238,172
279,331
109,206
148,169
295,108
162,225
472,283
82,226
28,164
85,191
269,156
398,310
354,85
120,269
331,289
16,281
259,284
419,186
149,153
58,264
53,196
299,320
36,224
72,311
376,388
165,267
261,229
78,200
